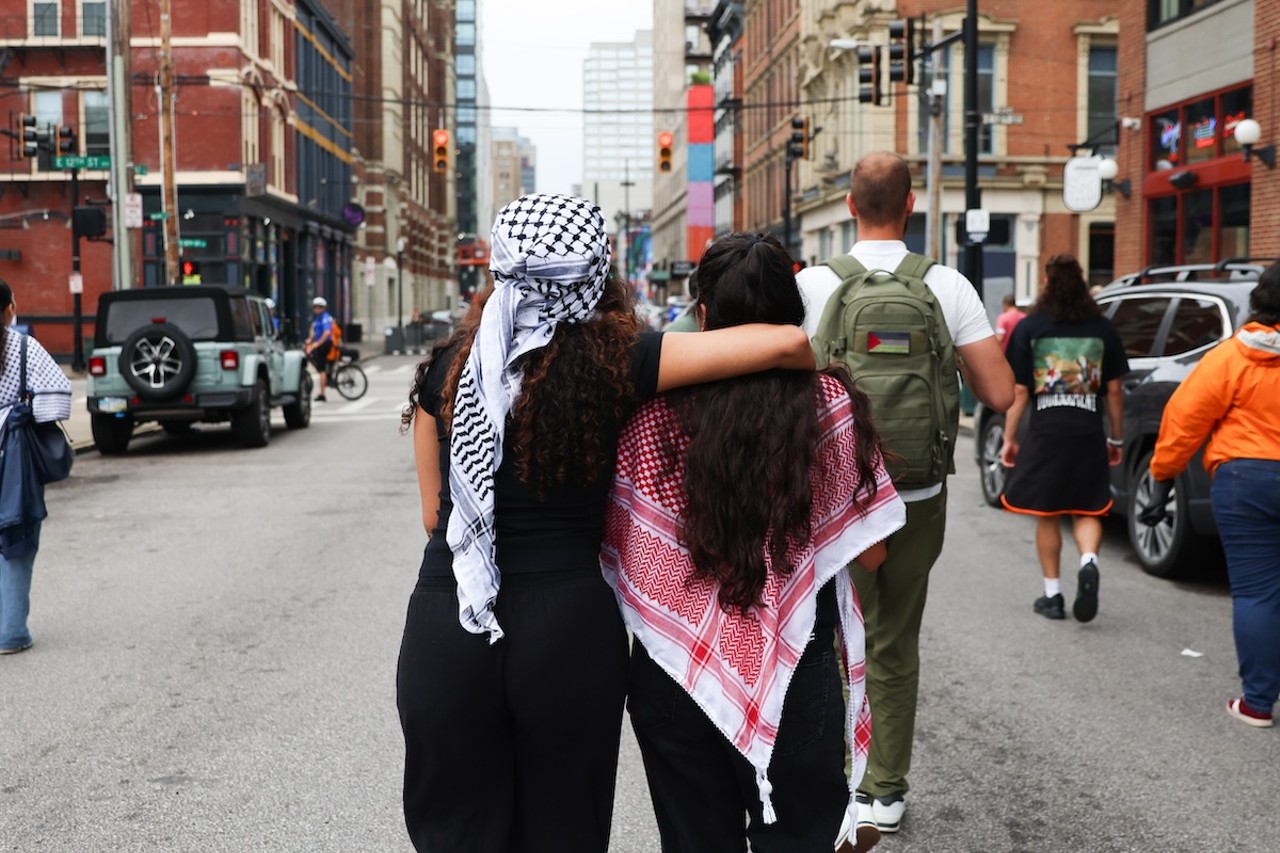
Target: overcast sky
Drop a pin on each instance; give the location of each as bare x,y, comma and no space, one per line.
533,53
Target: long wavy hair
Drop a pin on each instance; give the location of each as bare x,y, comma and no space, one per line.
1065,296
576,392
752,439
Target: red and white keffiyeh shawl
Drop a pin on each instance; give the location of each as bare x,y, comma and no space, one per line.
737,667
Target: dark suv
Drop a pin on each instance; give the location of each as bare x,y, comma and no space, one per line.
1168,318
178,355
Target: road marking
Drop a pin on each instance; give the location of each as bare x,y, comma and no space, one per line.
356,405
370,369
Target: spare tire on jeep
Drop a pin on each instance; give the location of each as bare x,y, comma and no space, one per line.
158,361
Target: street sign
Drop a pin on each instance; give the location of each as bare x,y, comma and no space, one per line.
94,161
77,283
192,243
682,269
159,215
977,223
1081,184
133,210
1003,115
139,169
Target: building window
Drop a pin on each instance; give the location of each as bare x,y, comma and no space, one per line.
1102,97
45,18
954,100
1199,226
97,123
1198,130
93,18
466,64
465,35
466,89
1161,12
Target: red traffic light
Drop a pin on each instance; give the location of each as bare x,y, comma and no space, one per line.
666,144
440,145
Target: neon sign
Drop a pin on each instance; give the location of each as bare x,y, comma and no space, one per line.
1229,123
1170,133
1205,132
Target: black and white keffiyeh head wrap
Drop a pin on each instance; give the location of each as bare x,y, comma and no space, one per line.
549,260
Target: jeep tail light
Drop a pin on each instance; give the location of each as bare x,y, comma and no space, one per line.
97,366
229,359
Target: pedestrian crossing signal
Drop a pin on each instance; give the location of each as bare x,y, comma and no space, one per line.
440,146
666,145
191,272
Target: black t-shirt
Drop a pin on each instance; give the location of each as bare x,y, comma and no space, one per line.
1066,368
559,530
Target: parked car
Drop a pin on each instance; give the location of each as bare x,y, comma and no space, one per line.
185,354
1168,318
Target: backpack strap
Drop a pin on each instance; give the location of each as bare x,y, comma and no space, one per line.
914,266
845,266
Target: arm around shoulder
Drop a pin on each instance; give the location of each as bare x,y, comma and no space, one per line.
735,351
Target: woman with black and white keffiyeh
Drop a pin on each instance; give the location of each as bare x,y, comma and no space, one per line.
50,401
513,666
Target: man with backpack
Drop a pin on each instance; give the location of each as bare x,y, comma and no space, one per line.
904,325
322,344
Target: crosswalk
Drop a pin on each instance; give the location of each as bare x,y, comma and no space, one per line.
386,398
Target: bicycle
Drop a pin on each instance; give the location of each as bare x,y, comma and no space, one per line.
345,376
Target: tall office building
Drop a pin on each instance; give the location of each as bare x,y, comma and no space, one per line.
471,148
618,133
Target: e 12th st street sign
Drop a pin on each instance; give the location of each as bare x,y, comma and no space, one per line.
93,161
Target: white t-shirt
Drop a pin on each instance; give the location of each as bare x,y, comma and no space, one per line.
962,310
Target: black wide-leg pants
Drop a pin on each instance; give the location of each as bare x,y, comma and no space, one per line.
513,747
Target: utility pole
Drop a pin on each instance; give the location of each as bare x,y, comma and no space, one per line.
937,85
120,97
168,151
972,193
627,184
77,311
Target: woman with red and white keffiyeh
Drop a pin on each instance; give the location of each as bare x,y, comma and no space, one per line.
736,508
513,667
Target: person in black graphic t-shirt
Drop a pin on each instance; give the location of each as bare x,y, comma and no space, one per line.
1067,360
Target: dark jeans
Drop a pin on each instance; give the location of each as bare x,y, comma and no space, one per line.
513,747
1246,507
702,787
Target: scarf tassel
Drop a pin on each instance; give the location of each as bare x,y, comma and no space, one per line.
766,797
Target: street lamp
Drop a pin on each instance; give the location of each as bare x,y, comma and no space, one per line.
400,245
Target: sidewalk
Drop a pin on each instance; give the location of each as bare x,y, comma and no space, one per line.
81,433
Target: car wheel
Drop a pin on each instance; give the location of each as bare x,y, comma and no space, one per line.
158,361
111,434
297,415
1170,549
991,472
253,423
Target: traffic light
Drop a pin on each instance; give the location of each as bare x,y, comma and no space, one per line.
869,75
440,146
666,144
902,51
67,141
29,141
88,221
190,272
798,147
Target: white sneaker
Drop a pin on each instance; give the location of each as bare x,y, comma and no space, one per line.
888,812
859,833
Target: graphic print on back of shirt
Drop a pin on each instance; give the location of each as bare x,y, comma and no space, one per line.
1068,372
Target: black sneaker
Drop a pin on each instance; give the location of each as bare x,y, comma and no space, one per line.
320,398
1086,604
1051,607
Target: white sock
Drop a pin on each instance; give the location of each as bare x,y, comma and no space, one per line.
1052,587
1087,558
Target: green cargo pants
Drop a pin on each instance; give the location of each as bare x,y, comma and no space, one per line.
893,600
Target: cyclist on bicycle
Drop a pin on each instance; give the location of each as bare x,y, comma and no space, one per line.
320,347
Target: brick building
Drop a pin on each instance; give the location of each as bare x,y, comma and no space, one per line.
1047,81
1189,73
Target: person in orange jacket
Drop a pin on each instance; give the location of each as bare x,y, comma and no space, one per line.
1232,400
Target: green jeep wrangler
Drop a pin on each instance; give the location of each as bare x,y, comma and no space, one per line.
178,355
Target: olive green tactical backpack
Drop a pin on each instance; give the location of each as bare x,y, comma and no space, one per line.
887,329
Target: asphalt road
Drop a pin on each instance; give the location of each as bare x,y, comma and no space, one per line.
217,631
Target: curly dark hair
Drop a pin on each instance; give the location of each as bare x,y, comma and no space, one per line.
1065,295
1264,299
752,439
576,393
